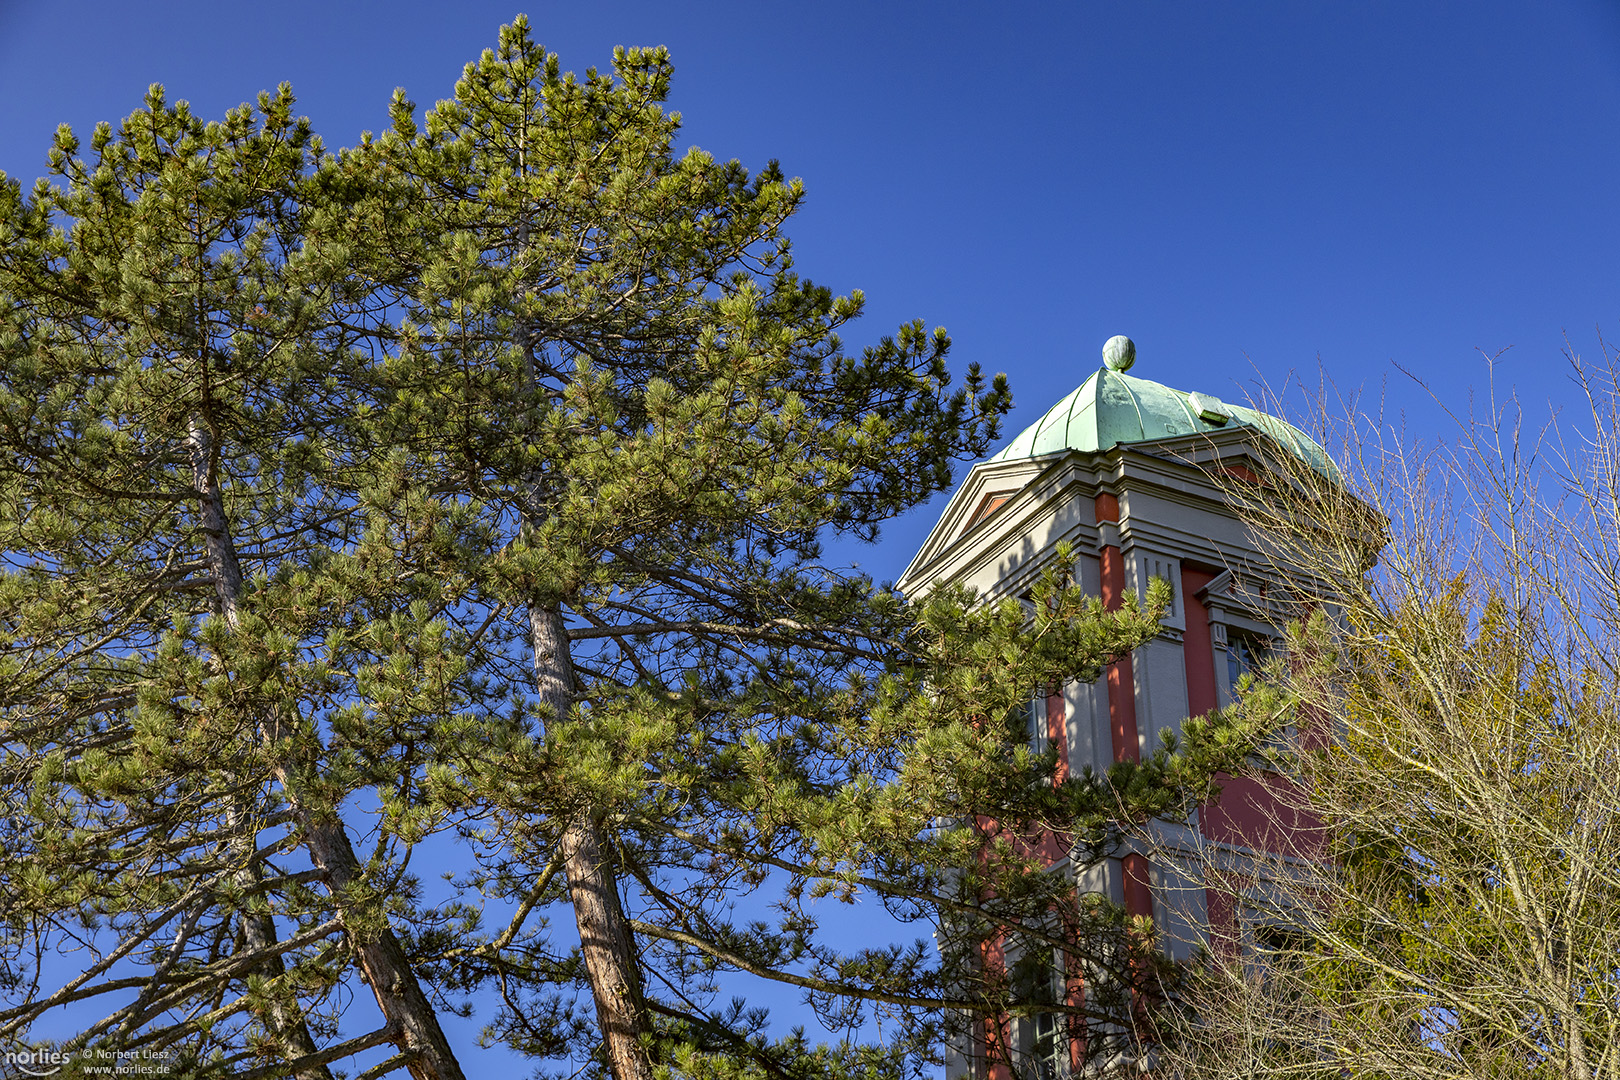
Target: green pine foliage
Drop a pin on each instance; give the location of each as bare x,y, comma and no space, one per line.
468,487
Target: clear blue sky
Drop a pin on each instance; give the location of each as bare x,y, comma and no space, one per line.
1243,188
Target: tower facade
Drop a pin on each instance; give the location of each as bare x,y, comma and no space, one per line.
1136,477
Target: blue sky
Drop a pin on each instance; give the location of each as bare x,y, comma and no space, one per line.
1246,189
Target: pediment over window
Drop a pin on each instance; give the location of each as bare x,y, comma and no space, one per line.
986,492
1244,600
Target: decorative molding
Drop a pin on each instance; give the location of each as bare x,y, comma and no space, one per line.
954,550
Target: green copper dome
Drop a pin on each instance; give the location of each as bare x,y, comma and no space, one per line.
1112,408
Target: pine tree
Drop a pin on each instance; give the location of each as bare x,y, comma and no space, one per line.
606,354
202,616
472,484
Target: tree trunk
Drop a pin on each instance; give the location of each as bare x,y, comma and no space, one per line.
605,940
286,1026
382,960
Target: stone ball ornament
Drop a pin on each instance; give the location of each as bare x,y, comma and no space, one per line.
1119,353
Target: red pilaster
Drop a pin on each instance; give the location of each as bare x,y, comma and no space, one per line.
1121,677
1138,891
1057,732
1198,648
1219,905
1197,645
997,1030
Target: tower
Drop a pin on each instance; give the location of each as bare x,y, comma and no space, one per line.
1137,478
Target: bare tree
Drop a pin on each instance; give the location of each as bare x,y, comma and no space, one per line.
1455,671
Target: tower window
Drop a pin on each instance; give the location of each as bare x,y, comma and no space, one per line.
1246,654
1032,714
1043,1041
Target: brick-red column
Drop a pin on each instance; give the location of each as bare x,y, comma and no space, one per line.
997,1030
1138,890
1121,678
1198,647
1122,703
1057,732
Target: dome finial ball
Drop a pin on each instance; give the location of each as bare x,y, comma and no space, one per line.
1120,353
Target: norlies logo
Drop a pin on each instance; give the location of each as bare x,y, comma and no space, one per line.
26,1062
88,1061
